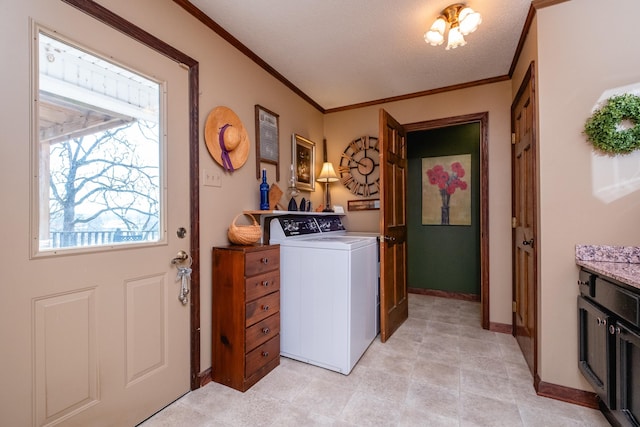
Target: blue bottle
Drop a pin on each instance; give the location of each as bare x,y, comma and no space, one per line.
264,192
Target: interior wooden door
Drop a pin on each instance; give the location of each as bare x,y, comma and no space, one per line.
525,240
394,307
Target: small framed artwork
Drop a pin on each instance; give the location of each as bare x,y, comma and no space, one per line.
303,153
363,205
267,145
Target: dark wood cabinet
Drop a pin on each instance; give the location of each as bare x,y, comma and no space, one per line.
628,370
595,347
609,345
245,314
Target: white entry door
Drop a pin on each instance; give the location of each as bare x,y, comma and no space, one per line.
93,330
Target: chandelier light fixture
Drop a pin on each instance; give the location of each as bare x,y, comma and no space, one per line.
462,20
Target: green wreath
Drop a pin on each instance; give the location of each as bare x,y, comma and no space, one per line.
601,128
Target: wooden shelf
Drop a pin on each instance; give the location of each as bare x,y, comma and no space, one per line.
278,212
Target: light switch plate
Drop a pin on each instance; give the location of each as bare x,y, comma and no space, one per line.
211,178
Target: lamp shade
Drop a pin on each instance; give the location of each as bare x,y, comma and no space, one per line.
455,38
469,20
435,35
327,174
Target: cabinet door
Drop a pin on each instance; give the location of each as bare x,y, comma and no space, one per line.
595,349
628,375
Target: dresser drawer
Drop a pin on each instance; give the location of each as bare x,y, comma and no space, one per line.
261,261
262,308
620,301
586,284
262,355
262,284
262,331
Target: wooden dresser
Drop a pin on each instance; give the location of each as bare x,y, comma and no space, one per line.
245,314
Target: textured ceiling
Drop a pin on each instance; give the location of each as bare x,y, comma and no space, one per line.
345,52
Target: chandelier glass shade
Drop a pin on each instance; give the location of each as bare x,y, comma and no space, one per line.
462,20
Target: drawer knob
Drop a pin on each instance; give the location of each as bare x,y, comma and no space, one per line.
613,330
266,330
265,353
265,260
265,283
265,307
600,321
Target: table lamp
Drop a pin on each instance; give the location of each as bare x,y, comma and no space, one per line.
327,175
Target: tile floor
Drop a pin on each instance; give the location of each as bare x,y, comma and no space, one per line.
439,369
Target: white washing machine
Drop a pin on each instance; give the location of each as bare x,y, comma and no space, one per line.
328,290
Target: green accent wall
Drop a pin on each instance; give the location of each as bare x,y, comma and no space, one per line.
443,257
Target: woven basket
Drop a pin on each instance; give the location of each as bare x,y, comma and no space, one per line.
244,234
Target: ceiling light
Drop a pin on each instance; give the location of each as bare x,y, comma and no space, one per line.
462,20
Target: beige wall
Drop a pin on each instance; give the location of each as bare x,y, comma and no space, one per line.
529,53
342,127
580,55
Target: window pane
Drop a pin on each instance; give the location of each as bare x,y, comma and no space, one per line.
99,151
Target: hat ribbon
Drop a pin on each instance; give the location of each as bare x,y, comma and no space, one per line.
226,160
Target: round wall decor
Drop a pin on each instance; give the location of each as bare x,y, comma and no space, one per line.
602,128
360,166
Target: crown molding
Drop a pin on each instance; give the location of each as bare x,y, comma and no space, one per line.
539,4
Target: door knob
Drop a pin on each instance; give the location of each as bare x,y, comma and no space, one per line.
181,256
528,242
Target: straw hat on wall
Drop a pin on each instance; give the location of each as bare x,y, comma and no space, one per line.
226,138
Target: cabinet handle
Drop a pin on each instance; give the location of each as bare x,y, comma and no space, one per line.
265,283
265,307
614,330
266,330
582,283
600,321
264,260
265,353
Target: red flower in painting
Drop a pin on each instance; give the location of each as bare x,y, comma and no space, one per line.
447,183
457,168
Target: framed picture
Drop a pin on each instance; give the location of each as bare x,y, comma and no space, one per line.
363,205
303,153
446,190
267,145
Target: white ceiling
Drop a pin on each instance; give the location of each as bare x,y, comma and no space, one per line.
345,52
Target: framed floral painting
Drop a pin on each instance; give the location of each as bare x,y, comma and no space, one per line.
446,190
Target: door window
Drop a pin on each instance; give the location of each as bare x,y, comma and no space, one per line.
98,156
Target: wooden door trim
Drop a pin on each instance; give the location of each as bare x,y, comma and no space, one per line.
104,15
529,78
483,119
